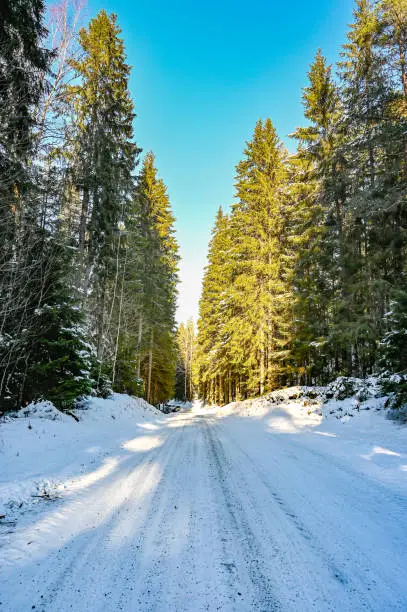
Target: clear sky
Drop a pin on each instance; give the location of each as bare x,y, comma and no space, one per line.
203,72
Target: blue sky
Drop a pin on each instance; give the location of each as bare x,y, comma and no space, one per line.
203,73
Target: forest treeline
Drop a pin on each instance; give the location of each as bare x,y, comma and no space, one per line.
88,259
306,274
185,371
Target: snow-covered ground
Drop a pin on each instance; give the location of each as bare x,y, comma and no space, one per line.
282,503
46,454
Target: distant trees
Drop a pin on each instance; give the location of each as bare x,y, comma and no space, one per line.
316,242
185,367
88,265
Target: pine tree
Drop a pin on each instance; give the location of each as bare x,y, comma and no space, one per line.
184,378
24,67
245,313
217,372
101,155
24,64
150,288
365,128
44,350
310,291
320,291
261,291
245,310
392,46
59,361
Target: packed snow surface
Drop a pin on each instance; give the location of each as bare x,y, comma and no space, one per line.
296,501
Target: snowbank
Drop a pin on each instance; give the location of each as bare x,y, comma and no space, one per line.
44,453
346,419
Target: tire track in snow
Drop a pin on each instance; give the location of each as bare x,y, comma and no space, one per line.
134,570
129,571
266,600
163,510
311,539
359,586
180,576
298,584
75,558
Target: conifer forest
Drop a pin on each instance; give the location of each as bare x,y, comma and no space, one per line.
88,270
306,273
203,306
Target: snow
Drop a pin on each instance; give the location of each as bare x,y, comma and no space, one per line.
354,431
296,501
183,405
43,451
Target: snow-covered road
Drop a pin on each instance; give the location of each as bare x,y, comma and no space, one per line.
208,513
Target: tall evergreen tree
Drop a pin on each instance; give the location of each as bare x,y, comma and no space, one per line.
310,299
58,360
150,287
320,291
245,311
184,378
367,231
261,291
24,66
101,155
217,369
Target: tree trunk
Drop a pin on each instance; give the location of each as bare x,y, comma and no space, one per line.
150,367
261,378
119,320
140,335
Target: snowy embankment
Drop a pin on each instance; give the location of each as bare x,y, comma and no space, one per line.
296,501
46,454
346,419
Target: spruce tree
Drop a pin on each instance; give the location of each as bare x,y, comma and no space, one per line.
310,291
364,90
392,46
59,360
261,291
150,288
217,368
101,155
320,292
24,68
184,376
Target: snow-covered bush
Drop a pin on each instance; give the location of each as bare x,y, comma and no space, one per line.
395,386
360,388
398,414
394,357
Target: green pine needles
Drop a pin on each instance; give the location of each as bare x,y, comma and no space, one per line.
89,266
305,268
306,274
